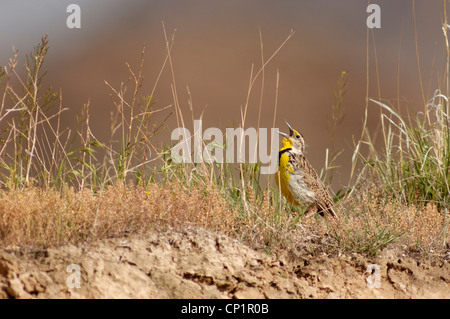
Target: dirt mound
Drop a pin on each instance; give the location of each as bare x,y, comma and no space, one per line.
195,263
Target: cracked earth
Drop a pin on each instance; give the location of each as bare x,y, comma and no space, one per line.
195,263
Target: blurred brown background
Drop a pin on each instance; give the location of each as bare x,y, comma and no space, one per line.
216,43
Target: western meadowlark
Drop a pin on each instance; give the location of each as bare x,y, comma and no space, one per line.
297,179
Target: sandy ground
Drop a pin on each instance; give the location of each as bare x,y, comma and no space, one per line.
195,263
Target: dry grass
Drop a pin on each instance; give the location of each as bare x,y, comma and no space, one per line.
37,216
47,217
372,221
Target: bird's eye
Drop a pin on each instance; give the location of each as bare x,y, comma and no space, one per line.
298,136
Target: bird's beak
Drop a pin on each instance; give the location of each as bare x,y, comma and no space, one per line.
283,134
291,131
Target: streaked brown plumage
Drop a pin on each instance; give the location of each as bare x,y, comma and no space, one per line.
298,180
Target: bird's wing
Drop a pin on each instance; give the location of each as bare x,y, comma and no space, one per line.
323,199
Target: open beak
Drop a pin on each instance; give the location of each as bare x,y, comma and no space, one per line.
291,131
283,134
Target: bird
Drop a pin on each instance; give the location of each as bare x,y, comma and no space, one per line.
297,179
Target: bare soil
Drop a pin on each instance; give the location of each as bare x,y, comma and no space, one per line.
195,263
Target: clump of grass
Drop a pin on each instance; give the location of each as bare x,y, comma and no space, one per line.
37,151
27,154
411,170
373,220
413,164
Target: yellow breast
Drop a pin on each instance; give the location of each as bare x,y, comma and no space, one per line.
283,175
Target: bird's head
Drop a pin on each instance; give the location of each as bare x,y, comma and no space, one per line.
295,139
